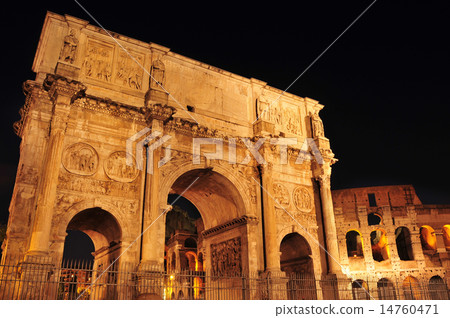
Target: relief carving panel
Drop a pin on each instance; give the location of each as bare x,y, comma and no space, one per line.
80,158
129,72
28,175
281,194
302,199
286,118
226,257
64,201
98,187
117,169
98,61
301,208
127,206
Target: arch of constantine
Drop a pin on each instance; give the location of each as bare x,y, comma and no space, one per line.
114,131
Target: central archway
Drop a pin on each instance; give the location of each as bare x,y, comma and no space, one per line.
215,196
211,244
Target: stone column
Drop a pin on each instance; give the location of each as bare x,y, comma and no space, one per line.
152,251
270,226
154,223
151,278
275,278
62,93
329,224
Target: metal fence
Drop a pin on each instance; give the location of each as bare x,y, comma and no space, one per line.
38,278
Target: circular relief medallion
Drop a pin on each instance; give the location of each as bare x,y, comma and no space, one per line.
117,169
80,159
281,194
302,199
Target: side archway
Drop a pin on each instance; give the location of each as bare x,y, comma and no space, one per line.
106,235
296,262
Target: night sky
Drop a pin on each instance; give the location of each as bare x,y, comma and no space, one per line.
384,83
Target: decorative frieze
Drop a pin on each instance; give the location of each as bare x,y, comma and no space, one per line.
91,186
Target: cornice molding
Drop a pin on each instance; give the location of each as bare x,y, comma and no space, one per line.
237,222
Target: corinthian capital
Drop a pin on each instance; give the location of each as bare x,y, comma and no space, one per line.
324,175
324,180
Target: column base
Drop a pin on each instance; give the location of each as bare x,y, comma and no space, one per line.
336,287
35,280
151,280
275,285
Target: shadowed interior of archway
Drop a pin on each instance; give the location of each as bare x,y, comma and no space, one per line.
215,197
295,254
99,225
78,246
183,216
296,262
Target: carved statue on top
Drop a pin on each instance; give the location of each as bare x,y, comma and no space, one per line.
157,74
69,48
317,125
